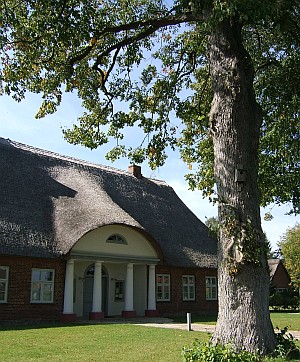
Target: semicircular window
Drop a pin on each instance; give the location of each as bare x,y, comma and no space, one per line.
116,239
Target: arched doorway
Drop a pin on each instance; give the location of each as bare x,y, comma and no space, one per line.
88,290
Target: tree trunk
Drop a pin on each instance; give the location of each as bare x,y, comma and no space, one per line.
244,318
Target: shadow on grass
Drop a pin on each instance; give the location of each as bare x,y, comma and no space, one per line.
81,321
20,325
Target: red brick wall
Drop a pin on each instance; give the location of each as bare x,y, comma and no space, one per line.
18,306
176,305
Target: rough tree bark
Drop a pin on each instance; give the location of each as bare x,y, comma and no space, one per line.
235,116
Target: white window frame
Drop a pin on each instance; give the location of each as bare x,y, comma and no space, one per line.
211,288
163,288
43,285
188,288
5,281
116,239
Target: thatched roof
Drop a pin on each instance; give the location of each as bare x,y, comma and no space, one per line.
273,265
48,202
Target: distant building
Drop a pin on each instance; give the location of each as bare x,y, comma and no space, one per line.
279,276
82,240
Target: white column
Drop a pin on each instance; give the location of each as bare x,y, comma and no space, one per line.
97,291
129,288
151,288
68,295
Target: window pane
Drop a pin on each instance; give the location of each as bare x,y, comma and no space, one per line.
159,292
48,275
47,293
211,288
42,285
3,273
119,291
90,271
163,287
36,292
117,239
36,275
3,283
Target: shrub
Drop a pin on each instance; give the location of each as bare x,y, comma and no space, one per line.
286,346
287,299
207,352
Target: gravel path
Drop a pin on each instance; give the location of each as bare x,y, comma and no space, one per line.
168,323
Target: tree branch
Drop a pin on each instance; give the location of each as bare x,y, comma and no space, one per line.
157,23
151,26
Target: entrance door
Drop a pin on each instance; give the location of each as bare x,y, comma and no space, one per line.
88,290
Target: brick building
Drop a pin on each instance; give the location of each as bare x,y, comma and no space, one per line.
83,240
279,276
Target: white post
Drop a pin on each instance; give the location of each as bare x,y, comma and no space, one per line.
97,291
68,295
189,321
151,288
129,288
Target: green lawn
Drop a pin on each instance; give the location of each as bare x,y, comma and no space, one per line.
290,319
114,342
98,342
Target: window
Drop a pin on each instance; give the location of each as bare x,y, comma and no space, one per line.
281,290
42,285
3,283
116,239
163,287
119,291
188,287
211,288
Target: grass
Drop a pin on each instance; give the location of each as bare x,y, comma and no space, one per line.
107,342
290,319
113,342
279,319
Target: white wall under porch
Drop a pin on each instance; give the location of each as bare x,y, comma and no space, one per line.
126,262
116,272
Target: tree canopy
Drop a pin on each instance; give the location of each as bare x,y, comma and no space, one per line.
152,57
290,249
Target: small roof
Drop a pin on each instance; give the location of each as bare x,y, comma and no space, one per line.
49,201
273,265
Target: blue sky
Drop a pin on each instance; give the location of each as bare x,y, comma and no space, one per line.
17,123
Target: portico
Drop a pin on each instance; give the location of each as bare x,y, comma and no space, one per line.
128,264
